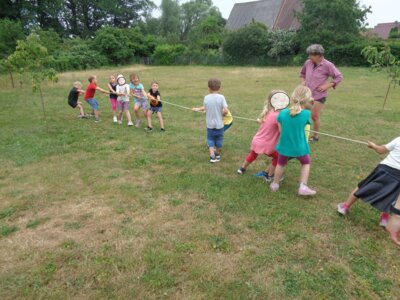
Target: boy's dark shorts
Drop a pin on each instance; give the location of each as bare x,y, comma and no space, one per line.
73,104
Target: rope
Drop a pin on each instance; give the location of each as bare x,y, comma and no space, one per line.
253,120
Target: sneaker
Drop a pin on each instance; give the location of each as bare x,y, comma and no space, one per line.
241,170
82,117
149,129
138,122
97,121
260,174
268,178
314,139
218,157
120,122
115,120
342,208
304,190
213,159
162,130
129,123
274,187
384,219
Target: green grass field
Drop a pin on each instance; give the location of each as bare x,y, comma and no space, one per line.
102,211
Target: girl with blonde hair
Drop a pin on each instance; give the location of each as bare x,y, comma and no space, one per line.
265,140
293,142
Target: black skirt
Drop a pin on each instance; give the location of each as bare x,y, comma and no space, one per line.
381,188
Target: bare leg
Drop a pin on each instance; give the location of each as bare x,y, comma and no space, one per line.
304,173
128,115
278,173
393,226
81,112
97,114
212,151
120,115
136,111
351,199
147,115
160,118
316,113
270,170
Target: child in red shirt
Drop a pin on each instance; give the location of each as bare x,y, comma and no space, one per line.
89,96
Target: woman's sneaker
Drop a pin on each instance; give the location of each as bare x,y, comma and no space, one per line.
342,209
241,170
384,220
304,190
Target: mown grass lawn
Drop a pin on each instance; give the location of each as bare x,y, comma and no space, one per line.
95,211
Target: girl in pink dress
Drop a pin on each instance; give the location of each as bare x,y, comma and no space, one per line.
265,140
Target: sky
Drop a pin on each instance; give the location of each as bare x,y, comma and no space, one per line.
382,10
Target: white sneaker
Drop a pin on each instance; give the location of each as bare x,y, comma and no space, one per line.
274,187
115,120
120,122
130,123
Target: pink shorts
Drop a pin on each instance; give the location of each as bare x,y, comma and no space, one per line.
114,103
123,106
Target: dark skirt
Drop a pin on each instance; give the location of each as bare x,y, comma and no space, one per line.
381,188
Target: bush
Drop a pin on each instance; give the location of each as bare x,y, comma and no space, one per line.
77,55
168,54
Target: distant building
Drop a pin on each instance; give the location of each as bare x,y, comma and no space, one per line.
275,14
383,29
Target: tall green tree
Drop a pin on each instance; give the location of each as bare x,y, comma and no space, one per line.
10,32
170,19
330,23
207,34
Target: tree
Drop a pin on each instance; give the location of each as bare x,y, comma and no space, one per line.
282,43
10,32
208,34
394,33
330,23
386,61
169,21
32,58
247,45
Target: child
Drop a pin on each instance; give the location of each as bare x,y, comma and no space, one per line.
112,86
215,107
292,142
73,98
155,103
123,91
265,140
228,121
138,92
381,188
89,96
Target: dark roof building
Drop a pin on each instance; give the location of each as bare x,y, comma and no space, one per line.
383,29
275,14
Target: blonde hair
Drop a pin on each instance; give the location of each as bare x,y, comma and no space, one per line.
301,97
77,83
267,106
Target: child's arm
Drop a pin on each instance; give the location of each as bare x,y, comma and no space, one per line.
102,90
199,109
378,149
225,111
144,93
80,91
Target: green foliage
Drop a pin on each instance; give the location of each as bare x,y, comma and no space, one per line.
10,32
247,44
77,55
50,39
32,57
394,33
208,34
283,43
168,54
320,22
170,21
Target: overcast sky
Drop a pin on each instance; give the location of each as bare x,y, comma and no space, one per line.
382,10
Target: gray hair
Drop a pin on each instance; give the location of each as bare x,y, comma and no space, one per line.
315,49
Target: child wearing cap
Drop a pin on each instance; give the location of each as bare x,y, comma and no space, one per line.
123,91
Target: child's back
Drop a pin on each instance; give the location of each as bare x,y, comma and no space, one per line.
214,104
267,135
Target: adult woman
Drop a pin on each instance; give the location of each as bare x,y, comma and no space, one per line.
315,74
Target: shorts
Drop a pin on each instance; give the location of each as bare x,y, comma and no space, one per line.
227,126
142,103
93,103
283,160
215,138
322,101
123,105
156,109
114,103
73,104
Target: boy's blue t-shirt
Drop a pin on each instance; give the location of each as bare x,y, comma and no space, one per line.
137,89
292,141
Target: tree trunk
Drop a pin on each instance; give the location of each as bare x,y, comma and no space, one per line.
12,79
387,94
44,111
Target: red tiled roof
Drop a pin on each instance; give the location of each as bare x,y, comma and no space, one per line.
286,18
383,29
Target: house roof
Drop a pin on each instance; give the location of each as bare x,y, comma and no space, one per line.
273,13
383,29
